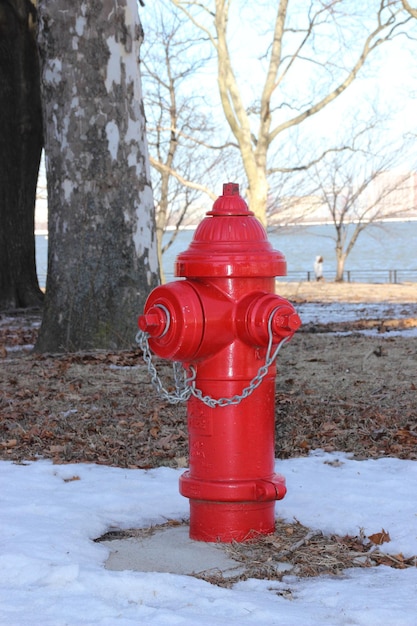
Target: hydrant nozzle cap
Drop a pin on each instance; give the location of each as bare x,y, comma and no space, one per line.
230,203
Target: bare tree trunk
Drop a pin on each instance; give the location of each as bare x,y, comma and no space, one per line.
258,193
162,213
340,264
102,259
20,151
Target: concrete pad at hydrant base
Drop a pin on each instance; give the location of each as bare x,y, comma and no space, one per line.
170,550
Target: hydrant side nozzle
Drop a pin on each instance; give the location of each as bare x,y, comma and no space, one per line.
263,314
173,319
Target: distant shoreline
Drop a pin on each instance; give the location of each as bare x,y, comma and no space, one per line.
41,230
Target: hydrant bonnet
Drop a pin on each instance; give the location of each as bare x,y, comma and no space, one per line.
230,241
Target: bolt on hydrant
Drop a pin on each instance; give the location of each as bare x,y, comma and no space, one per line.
223,326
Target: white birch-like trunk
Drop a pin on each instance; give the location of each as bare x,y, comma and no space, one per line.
102,259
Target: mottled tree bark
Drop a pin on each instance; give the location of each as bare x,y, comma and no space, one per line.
102,258
20,151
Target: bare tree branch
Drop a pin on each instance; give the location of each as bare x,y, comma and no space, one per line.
371,42
192,138
295,40
187,183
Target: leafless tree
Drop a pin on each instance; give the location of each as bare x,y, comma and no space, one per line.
20,151
359,188
312,52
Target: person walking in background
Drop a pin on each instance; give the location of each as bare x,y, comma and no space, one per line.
318,268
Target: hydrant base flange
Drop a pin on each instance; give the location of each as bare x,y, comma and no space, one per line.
257,490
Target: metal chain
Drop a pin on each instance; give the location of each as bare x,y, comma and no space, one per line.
254,383
185,385
181,381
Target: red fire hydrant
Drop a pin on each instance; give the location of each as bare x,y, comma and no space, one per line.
225,324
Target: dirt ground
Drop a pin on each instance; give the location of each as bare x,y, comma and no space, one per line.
353,393
348,292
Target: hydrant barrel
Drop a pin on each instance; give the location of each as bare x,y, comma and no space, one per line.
225,323
231,481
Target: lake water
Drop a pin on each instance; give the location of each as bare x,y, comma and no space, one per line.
379,250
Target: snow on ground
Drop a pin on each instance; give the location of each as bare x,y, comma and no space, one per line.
332,312
326,312
52,573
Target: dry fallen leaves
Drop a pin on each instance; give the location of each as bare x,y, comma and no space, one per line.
379,538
